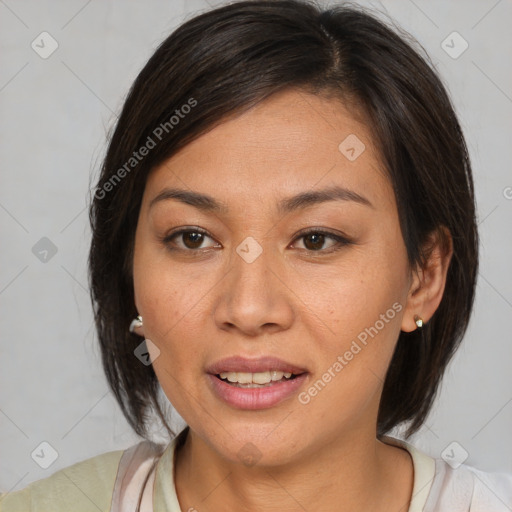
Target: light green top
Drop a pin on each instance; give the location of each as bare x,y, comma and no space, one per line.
87,486
83,487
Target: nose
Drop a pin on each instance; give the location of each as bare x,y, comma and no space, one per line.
253,298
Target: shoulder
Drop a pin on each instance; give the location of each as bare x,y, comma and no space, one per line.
443,487
84,486
465,485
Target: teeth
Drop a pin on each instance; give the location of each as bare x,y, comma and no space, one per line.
254,378
243,378
260,378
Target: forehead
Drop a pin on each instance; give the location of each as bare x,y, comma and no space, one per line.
292,142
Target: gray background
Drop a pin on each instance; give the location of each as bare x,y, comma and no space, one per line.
55,116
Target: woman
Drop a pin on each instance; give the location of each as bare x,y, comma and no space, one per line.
284,241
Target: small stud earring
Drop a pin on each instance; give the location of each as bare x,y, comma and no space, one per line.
419,321
136,322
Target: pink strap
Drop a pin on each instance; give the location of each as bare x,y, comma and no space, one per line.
133,489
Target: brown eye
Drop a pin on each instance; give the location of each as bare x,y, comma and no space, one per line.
187,240
314,241
192,239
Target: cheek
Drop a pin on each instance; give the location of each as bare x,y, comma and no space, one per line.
169,296
352,367
173,300
366,330
363,307
355,295
170,304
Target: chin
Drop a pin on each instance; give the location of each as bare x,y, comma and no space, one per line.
255,443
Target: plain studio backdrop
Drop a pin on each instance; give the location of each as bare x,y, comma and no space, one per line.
66,67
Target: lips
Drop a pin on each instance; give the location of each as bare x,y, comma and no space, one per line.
260,365
251,395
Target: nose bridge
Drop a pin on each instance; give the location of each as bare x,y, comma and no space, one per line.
252,263
252,296
251,271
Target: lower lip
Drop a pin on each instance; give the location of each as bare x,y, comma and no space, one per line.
256,398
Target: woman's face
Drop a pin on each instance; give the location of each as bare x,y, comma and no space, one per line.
246,291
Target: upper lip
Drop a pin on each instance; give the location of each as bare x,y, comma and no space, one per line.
261,364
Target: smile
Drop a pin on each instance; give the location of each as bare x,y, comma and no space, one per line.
255,380
254,384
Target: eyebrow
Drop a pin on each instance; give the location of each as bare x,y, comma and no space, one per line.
206,203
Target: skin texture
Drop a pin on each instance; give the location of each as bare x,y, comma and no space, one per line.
302,305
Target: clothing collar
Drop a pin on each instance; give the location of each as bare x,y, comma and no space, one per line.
166,499
424,468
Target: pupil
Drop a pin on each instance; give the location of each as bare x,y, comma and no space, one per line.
195,239
316,244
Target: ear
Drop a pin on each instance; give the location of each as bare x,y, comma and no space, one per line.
428,280
140,331
137,326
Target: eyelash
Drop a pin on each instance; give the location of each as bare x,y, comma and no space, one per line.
341,241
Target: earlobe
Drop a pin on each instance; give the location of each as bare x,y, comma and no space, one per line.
418,321
429,281
136,326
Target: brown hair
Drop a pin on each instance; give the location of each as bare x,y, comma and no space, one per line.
225,61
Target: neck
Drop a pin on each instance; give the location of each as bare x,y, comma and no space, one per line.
344,475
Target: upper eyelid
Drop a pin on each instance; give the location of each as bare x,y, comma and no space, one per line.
325,231
338,237
181,231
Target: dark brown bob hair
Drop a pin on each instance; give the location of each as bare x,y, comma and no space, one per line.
222,62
